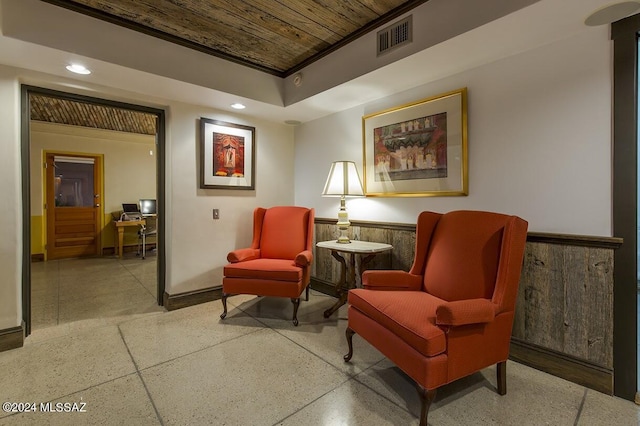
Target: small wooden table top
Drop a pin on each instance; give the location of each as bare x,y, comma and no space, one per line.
355,246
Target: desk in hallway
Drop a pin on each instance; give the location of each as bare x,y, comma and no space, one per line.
120,226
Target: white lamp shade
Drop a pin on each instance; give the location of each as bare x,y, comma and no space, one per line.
344,180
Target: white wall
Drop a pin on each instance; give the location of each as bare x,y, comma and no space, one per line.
539,141
11,207
434,22
198,245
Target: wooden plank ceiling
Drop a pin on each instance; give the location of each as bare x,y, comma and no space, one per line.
275,36
74,113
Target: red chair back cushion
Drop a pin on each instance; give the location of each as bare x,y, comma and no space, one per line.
463,257
284,232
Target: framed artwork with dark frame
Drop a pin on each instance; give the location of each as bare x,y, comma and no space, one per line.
418,149
227,155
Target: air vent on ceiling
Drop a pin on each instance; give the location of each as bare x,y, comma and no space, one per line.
395,35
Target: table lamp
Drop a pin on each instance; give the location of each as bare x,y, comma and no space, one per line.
343,181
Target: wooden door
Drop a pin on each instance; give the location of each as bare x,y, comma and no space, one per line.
73,202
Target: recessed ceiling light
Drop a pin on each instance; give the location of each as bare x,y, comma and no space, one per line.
238,105
78,69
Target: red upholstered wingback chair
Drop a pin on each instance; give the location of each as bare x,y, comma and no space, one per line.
278,263
452,313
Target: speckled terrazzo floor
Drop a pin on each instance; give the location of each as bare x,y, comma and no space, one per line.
137,364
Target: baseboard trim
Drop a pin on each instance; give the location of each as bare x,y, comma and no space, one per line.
37,257
565,366
171,302
11,338
111,251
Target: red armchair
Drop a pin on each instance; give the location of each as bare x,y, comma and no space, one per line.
450,315
278,263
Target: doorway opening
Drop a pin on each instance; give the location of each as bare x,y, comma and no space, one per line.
637,398
78,194
624,34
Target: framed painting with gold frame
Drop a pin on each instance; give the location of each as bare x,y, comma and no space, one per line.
227,155
418,149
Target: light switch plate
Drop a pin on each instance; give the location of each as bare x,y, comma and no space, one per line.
216,214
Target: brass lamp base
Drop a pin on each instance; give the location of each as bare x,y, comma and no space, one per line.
343,238
343,223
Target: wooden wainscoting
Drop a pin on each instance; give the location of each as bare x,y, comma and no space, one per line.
565,305
325,270
564,312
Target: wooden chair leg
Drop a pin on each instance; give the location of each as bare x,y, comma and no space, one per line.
296,304
349,333
307,293
224,305
501,377
426,398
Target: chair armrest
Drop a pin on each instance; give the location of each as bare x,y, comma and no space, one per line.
463,312
241,255
304,258
377,279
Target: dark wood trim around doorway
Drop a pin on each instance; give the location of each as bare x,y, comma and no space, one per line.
26,90
624,34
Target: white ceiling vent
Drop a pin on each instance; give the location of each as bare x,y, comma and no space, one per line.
395,35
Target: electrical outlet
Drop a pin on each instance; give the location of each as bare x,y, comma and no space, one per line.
216,214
